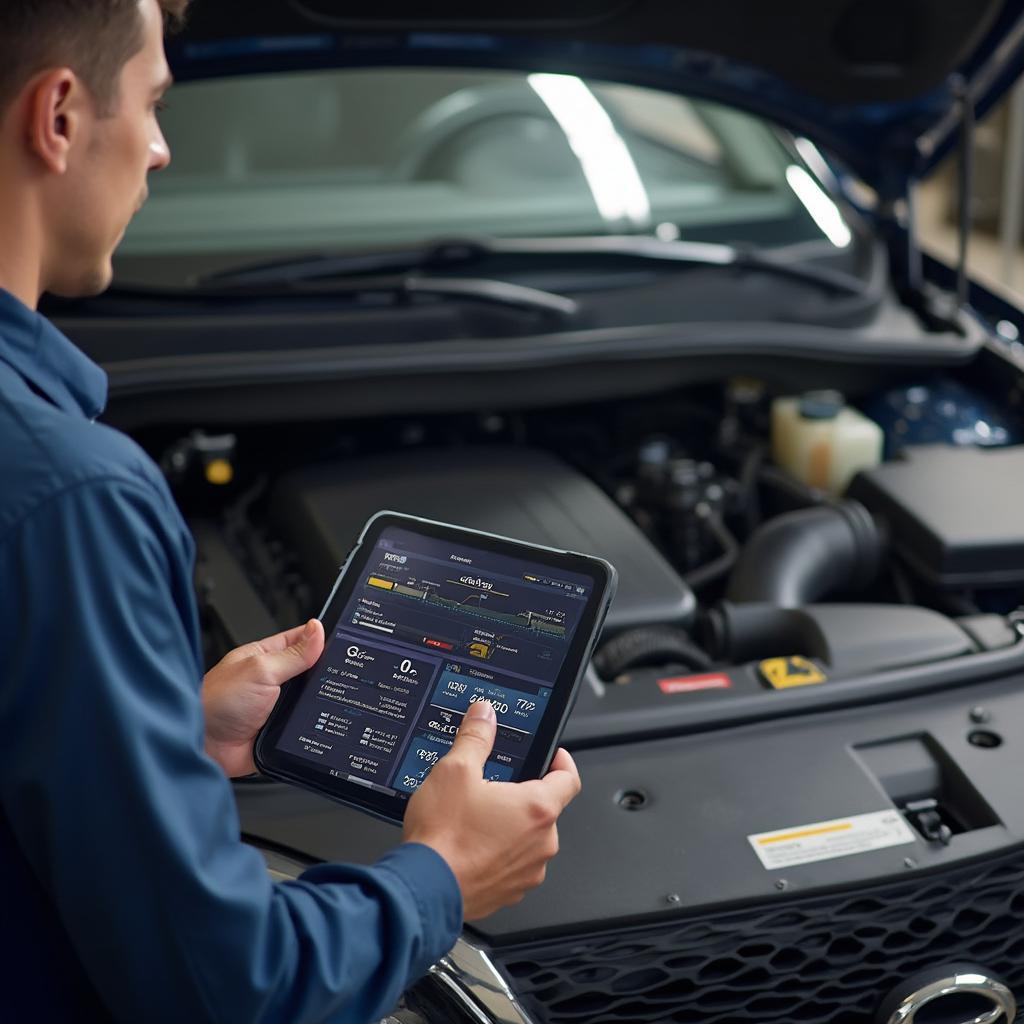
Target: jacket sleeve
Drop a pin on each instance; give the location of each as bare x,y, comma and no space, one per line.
133,831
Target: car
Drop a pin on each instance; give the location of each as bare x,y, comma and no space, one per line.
642,280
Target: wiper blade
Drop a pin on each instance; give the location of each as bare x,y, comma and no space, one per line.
503,293
456,253
278,273
711,254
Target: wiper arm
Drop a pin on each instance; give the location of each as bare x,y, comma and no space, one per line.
451,254
501,292
477,289
480,289
645,247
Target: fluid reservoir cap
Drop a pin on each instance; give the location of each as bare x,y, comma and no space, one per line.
821,405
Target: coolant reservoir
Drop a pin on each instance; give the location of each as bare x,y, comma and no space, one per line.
821,441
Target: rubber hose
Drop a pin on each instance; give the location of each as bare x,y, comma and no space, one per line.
714,570
799,557
736,633
648,645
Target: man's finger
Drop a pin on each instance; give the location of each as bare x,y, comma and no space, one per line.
563,762
282,641
304,645
563,780
475,738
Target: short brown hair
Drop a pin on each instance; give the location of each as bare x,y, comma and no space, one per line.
95,38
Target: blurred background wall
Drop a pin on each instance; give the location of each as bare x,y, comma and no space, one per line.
995,254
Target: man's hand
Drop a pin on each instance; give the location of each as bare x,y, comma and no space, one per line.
240,691
497,837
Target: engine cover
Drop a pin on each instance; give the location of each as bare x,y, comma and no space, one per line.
516,492
953,514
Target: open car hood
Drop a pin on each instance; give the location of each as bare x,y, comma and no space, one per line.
874,81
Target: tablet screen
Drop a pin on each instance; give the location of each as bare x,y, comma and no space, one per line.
428,626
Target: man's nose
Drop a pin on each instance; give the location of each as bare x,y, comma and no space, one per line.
159,153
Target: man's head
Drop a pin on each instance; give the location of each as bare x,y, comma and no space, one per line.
80,86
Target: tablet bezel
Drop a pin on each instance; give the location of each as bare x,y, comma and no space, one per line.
296,770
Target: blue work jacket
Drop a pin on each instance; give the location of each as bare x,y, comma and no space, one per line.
127,892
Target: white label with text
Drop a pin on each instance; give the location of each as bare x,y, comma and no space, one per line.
823,840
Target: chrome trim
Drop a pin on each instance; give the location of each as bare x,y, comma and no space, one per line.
468,974
1004,1006
459,995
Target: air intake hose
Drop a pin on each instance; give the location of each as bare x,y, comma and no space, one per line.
800,557
649,645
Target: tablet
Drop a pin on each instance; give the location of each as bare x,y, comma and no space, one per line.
424,620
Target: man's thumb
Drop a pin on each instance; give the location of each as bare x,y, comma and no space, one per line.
476,734
302,646
310,644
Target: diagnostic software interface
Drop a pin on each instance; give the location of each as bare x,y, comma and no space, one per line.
431,627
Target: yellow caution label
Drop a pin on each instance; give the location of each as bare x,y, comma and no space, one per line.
783,673
806,833
376,581
823,840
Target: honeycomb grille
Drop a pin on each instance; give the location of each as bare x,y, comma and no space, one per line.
823,960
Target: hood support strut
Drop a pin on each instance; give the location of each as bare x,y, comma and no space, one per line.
965,109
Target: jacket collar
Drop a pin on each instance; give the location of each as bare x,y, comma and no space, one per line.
48,361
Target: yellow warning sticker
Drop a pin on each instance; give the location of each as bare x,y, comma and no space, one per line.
782,673
824,840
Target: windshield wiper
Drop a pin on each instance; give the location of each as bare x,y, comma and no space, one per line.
501,292
459,253
407,285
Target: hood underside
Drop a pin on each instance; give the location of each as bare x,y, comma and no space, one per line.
875,81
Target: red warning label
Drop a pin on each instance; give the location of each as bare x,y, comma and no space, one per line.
686,684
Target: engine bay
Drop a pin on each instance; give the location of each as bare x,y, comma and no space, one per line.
787,645
739,579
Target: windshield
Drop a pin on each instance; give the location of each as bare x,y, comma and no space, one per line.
278,165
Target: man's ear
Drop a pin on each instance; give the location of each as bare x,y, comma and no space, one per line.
53,116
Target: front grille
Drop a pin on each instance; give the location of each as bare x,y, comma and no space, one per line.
824,960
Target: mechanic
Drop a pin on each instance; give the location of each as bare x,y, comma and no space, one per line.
128,893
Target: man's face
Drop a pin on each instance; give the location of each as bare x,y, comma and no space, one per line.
105,185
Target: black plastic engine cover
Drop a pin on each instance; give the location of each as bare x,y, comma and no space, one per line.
658,910
515,492
954,514
671,817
